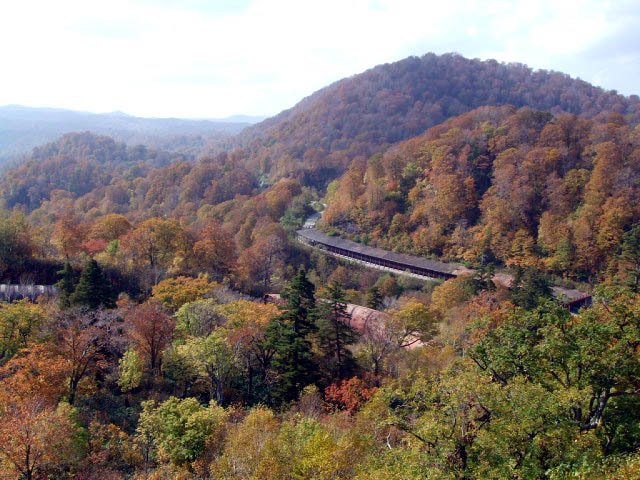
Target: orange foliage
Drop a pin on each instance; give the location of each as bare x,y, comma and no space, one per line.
350,395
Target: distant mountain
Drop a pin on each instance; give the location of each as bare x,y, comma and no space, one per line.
22,128
240,119
358,116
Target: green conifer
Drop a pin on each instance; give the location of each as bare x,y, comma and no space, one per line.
529,287
288,336
374,298
66,285
335,333
564,257
93,289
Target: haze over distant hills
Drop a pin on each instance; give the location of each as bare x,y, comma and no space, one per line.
22,128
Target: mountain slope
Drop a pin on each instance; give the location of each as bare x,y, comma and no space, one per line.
521,187
360,115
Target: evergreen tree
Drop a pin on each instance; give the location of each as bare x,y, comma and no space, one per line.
66,285
564,256
335,334
529,287
288,336
93,289
630,258
485,253
374,298
484,278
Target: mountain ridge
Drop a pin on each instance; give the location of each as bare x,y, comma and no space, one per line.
23,128
364,113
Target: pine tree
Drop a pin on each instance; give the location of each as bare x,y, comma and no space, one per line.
484,278
485,254
93,289
335,334
66,285
630,258
529,287
564,256
374,298
288,336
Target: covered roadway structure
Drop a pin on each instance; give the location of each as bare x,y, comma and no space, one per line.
417,266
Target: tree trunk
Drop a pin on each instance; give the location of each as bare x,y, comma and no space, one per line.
28,467
219,394
338,349
73,387
249,379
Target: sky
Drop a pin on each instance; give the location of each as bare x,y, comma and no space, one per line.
212,59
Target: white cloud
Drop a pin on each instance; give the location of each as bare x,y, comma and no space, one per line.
165,58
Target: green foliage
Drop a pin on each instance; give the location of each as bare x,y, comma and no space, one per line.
298,210
615,467
335,334
179,429
19,324
463,424
131,371
288,336
484,278
412,322
374,298
93,289
565,255
630,257
66,285
198,318
529,288
212,358
593,359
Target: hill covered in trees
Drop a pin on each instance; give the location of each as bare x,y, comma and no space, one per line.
77,164
361,115
521,187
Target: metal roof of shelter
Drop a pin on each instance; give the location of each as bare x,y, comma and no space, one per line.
564,295
401,258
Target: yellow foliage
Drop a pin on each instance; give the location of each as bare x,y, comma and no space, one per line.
175,292
451,293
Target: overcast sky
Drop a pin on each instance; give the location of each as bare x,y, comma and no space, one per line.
198,58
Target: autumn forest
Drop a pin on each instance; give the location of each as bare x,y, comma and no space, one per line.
182,330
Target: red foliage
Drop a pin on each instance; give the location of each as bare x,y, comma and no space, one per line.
350,395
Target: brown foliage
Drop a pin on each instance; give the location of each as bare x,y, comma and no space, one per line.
150,330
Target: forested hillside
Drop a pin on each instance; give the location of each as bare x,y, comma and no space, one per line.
526,188
97,173
359,116
190,336
77,164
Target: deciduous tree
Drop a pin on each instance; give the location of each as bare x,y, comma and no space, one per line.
150,330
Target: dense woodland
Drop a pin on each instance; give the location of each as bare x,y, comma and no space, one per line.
364,114
520,187
161,358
